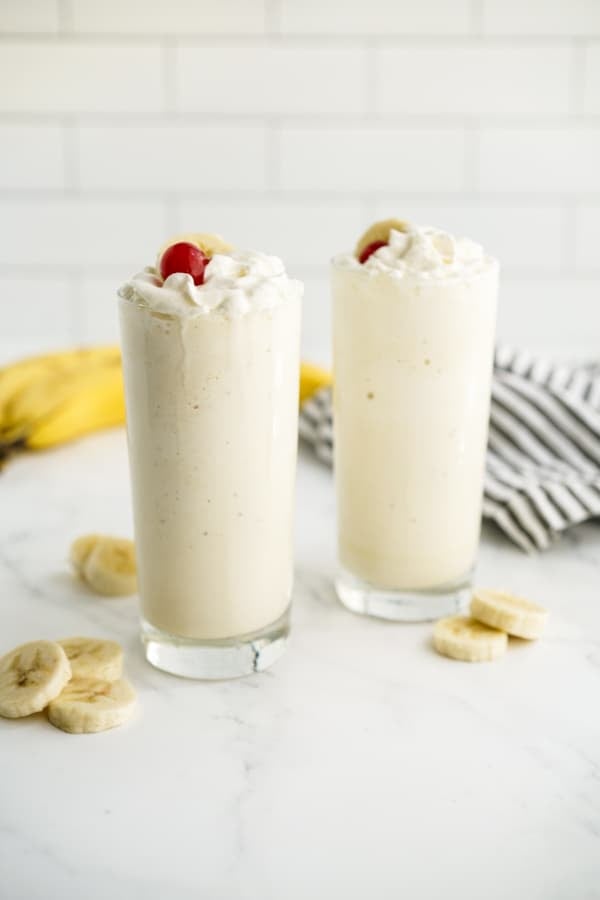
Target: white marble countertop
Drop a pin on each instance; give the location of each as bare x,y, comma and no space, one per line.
361,765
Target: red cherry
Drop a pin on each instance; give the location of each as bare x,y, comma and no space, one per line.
184,257
370,249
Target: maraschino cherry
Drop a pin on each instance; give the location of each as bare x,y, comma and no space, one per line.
370,249
184,257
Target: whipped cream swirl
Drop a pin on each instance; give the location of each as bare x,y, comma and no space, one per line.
424,253
234,284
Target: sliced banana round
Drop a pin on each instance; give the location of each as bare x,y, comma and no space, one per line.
380,231
110,568
208,243
87,705
517,616
81,549
31,676
468,640
93,658
211,244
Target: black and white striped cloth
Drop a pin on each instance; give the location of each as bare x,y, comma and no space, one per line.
543,456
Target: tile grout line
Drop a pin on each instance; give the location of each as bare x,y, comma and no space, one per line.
371,79
272,18
577,78
306,196
472,171
569,239
369,211
273,154
65,17
77,311
71,155
172,215
477,19
302,40
169,75
330,120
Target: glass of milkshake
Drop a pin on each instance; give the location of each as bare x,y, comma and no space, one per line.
414,313
210,343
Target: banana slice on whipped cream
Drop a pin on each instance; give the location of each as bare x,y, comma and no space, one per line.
210,244
379,233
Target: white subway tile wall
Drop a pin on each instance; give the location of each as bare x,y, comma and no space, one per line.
473,80
31,156
375,17
289,125
171,158
29,16
80,77
371,159
591,96
543,17
38,308
78,232
173,17
267,80
588,231
544,160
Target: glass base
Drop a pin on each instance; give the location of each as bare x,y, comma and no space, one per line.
227,658
402,606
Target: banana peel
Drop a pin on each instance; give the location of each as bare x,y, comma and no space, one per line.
312,379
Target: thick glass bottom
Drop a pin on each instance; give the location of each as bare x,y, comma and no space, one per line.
228,658
402,606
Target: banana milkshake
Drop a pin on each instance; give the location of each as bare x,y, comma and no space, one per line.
211,363
414,323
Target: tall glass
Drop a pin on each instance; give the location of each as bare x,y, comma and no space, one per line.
412,372
212,407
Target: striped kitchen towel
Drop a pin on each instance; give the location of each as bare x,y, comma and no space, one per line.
543,457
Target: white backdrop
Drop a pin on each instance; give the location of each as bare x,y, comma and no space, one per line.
289,125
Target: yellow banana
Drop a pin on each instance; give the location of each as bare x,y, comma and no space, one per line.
16,377
37,401
97,401
64,395
312,379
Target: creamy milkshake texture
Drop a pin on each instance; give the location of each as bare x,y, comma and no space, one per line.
211,377
414,322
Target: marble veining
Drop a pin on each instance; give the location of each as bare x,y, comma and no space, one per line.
360,765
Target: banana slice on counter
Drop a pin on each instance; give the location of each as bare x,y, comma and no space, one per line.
110,568
93,658
515,615
461,637
380,231
81,549
87,705
31,676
